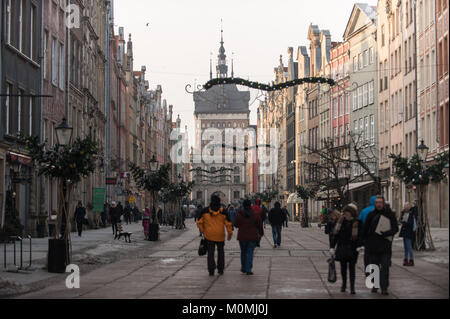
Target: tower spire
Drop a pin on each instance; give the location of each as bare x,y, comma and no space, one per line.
222,68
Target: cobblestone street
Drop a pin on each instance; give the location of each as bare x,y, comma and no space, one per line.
172,269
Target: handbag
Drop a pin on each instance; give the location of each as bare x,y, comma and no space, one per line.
202,249
332,278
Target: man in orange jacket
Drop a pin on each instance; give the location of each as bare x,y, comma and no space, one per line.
212,225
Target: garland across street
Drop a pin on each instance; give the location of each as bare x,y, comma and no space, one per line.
267,87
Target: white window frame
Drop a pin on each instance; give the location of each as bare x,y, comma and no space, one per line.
32,12
354,100
8,22
19,111
61,66
366,124
372,129
360,97
54,59
371,92
8,106
365,94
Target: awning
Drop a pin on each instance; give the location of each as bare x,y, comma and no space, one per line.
294,199
22,159
355,186
325,195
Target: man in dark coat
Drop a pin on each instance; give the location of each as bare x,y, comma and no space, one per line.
286,216
115,216
80,214
127,213
378,243
276,219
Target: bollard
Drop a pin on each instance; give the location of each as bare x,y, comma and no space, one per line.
21,252
29,237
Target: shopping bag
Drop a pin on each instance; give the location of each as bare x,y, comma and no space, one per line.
202,249
332,270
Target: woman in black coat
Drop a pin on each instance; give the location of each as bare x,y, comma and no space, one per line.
347,238
408,219
332,216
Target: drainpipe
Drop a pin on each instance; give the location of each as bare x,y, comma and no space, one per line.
436,74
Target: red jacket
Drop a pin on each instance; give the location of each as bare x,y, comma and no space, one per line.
257,208
250,228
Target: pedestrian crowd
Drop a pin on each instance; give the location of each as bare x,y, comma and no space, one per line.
371,231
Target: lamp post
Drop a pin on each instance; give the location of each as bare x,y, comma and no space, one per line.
422,153
154,226
64,133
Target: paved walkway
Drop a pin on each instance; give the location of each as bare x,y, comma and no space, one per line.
298,270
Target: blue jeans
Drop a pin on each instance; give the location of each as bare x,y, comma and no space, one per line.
276,232
247,249
409,252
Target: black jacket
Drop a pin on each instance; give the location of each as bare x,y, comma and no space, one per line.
375,243
407,230
276,216
346,245
80,213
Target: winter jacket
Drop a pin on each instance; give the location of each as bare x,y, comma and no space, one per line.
257,208
407,230
80,213
276,216
366,211
264,214
250,226
374,242
115,214
346,245
212,225
232,215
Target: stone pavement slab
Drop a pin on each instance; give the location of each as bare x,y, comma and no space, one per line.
298,270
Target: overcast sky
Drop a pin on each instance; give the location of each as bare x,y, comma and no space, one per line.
181,35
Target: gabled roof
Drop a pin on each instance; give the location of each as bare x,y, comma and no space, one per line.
362,16
222,99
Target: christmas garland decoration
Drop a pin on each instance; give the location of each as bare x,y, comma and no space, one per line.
414,172
266,87
220,170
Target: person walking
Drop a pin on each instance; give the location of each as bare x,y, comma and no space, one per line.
198,215
408,222
52,223
104,214
286,216
362,217
332,217
378,231
250,231
80,214
347,242
212,225
114,216
276,219
259,211
120,211
127,213
264,215
232,214
146,223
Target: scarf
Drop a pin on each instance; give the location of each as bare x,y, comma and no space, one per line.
337,229
213,212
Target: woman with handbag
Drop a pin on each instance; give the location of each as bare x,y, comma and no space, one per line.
251,230
347,238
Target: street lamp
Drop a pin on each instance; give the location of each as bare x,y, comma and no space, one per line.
422,151
64,133
154,164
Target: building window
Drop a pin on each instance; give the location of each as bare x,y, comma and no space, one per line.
9,108
360,97
371,92
355,100
347,105
30,122
19,112
61,66
237,194
33,33
54,61
371,55
372,129
365,94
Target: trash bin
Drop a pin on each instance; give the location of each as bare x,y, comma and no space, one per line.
154,232
57,254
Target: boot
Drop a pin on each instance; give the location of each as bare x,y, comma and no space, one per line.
405,262
411,263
